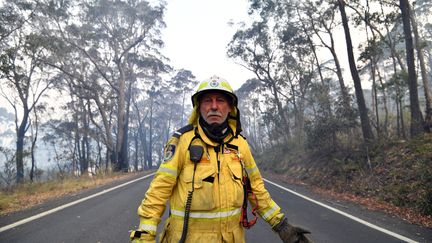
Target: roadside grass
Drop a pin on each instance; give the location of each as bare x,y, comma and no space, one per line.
30,194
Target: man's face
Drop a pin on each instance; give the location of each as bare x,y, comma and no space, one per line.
214,107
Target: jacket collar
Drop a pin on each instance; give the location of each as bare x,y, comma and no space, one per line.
233,120
210,142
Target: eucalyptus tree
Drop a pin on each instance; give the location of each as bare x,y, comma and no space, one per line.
92,100
155,109
251,119
24,82
312,17
292,48
117,30
8,172
384,26
138,130
144,77
185,82
382,23
108,40
59,137
416,127
257,50
391,40
18,86
294,55
364,118
371,56
14,15
34,134
321,19
424,8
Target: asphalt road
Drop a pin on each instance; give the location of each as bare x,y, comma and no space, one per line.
109,215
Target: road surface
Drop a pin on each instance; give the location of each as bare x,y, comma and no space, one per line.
108,213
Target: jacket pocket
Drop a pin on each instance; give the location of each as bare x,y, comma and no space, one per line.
235,186
203,196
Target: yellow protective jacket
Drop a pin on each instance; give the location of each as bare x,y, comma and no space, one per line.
218,190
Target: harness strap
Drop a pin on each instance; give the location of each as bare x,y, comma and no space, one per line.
247,189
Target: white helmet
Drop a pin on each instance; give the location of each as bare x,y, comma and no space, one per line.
214,83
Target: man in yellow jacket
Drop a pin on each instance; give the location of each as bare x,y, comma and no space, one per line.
203,177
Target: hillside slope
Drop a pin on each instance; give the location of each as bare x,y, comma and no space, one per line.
394,177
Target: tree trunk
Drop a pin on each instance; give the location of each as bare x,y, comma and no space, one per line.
136,144
344,90
143,139
109,141
124,150
384,96
402,120
281,111
86,138
33,145
425,77
21,130
121,118
366,128
375,100
416,127
150,143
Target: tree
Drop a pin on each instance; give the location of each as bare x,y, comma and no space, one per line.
126,27
365,124
416,127
419,46
184,81
112,45
324,22
259,53
22,72
34,127
8,173
14,14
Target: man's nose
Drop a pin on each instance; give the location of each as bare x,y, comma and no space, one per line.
214,104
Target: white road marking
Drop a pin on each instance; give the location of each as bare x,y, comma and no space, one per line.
40,215
373,226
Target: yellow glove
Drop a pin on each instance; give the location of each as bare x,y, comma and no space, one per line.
137,236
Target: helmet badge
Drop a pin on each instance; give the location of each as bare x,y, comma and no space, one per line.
214,83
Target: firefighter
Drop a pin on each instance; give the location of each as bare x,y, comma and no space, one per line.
207,175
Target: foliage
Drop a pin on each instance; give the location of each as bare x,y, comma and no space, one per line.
8,172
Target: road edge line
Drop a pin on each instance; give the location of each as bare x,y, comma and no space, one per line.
364,222
48,212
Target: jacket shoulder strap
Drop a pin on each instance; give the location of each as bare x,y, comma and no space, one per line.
182,130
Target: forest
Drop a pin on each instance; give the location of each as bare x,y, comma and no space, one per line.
87,84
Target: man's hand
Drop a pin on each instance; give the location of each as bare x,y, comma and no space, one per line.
141,237
291,234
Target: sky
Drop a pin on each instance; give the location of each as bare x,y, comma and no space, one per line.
197,35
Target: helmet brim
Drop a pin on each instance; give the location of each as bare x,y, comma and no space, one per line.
196,97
